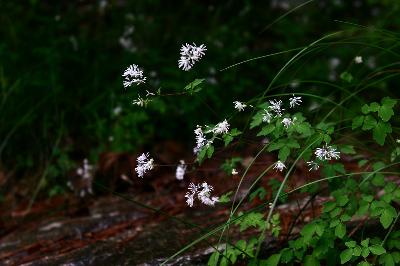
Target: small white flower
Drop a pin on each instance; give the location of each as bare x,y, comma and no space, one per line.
201,140
234,172
279,166
358,59
313,166
140,101
133,74
180,170
117,110
276,106
327,153
398,140
203,192
287,122
110,138
293,101
144,164
294,84
221,128
266,116
334,62
239,106
270,205
190,54
86,170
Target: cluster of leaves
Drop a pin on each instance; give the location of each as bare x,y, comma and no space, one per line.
332,238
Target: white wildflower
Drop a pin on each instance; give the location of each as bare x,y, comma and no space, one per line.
190,194
201,140
221,128
117,110
86,170
327,153
293,101
334,62
190,54
279,166
140,101
234,172
203,192
287,122
358,59
239,106
133,74
180,170
313,166
144,164
266,116
276,106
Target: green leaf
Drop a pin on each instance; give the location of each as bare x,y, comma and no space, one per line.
273,260
386,218
357,122
346,76
260,192
307,232
340,230
194,86
365,242
350,244
347,149
365,252
374,107
329,206
257,119
357,251
254,219
365,109
369,123
377,249
213,260
385,113
311,261
210,151
346,255
266,130
380,131
276,146
388,260
284,153
286,255
201,155
225,197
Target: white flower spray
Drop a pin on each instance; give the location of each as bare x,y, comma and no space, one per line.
239,106
279,166
144,164
190,54
180,170
133,75
203,192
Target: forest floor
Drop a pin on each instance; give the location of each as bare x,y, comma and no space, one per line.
143,222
